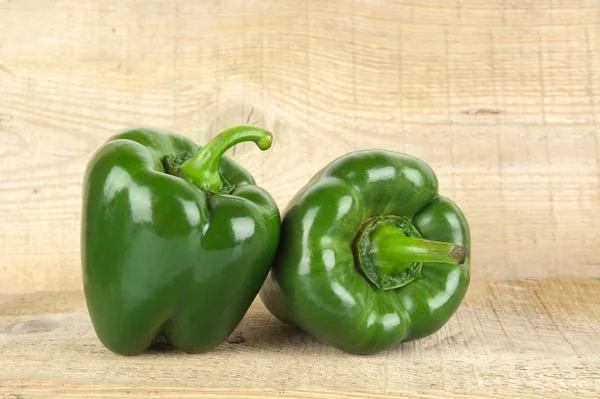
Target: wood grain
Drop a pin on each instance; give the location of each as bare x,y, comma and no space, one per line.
510,340
501,98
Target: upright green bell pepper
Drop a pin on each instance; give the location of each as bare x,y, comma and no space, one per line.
176,239
370,254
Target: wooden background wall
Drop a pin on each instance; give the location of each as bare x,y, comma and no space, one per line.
502,98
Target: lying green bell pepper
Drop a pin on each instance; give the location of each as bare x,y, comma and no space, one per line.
370,254
176,239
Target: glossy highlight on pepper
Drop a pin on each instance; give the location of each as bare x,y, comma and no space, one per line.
370,254
176,239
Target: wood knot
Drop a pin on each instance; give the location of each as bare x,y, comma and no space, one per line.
237,339
482,111
28,327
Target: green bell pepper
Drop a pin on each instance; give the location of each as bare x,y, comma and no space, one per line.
176,239
370,254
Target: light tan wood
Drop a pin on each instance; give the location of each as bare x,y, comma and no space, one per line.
502,98
509,340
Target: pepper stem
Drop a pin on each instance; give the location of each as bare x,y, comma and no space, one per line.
393,248
391,252
202,168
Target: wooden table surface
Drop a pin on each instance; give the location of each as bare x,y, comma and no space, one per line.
501,98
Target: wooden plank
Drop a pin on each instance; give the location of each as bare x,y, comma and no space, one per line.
501,98
509,340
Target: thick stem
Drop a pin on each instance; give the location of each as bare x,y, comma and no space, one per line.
391,252
392,249
201,169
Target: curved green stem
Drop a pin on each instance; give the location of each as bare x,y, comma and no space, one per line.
202,170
